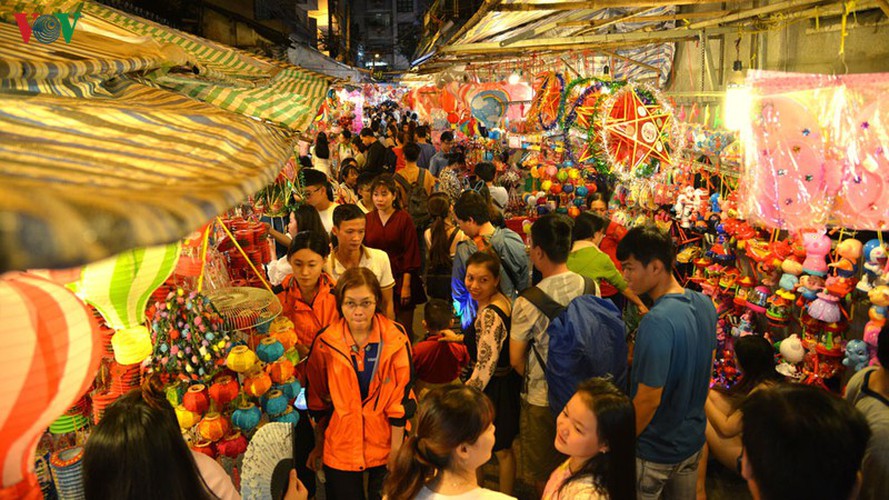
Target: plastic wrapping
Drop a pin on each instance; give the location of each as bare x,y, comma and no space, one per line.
816,150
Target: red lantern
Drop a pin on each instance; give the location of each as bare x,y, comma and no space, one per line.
224,391
196,399
52,348
205,447
281,370
232,445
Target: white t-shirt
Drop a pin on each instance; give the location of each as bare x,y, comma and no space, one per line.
529,323
360,204
327,217
215,476
476,494
500,196
278,270
375,260
320,164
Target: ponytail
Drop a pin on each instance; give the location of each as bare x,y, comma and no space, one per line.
439,248
410,472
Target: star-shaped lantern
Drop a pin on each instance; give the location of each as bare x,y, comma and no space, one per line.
634,131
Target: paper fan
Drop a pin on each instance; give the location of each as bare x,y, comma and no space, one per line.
268,461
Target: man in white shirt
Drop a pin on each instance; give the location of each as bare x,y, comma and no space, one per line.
319,194
349,225
550,246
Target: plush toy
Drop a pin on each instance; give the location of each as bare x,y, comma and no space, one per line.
817,246
874,261
857,355
848,252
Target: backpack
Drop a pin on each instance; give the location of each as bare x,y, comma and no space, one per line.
586,339
417,202
391,159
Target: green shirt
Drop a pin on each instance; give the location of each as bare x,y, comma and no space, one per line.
587,260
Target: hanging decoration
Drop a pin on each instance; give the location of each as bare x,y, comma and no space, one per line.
545,106
489,107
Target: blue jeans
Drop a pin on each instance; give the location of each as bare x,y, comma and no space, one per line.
670,481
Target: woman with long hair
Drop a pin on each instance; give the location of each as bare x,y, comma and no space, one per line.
391,229
442,238
348,182
302,218
398,149
755,359
320,152
359,381
137,452
597,430
455,435
487,341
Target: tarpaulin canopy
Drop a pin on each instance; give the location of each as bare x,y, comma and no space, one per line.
132,134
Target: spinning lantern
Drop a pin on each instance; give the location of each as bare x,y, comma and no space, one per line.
52,350
120,287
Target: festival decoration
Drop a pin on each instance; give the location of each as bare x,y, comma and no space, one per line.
489,107
53,349
213,427
240,359
246,417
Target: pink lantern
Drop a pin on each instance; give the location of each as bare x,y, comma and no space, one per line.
52,353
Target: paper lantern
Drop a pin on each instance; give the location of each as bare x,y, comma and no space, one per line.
246,417
270,350
131,345
232,445
275,403
224,390
281,370
213,427
205,447
287,338
119,287
196,399
240,359
289,416
52,347
257,383
187,419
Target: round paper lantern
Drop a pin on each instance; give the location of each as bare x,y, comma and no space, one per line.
270,350
562,175
246,417
555,188
582,190
281,370
52,348
131,345
293,356
119,287
232,445
573,212
240,359
290,388
205,447
275,403
257,383
289,416
546,185
567,188
287,338
187,419
224,390
196,399
213,427
551,171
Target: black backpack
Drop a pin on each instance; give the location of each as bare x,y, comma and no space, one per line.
417,202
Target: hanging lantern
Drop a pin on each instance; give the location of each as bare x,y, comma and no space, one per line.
52,349
224,390
196,399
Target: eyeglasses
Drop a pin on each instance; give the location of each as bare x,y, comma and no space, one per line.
314,191
364,304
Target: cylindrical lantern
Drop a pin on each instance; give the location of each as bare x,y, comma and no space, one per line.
196,399
275,403
240,359
187,419
281,370
257,383
213,427
232,445
224,390
270,350
246,417
52,347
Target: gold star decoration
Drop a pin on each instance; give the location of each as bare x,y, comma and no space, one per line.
635,131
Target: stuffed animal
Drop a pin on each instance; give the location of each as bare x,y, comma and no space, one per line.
874,261
817,246
857,355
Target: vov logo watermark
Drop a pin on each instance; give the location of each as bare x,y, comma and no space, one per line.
46,28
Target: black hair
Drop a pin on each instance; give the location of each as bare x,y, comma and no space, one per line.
314,177
472,205
347,134
756,356
411,152
439,207
490,261
612,471
305,162
322,147
311,240
387,181
485,171
587,224
438,315
456,158
447,135
368,132
356,142
422,131
308,219
596,196
365,179
552,234
346,212
802,442
645,244
163,466
883,347
347,166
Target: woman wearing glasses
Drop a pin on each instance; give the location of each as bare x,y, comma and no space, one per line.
359,390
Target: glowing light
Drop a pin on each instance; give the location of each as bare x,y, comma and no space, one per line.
513,79
737,107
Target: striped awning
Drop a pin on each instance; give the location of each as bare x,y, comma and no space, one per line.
132,134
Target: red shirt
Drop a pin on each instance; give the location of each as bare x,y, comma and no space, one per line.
613,234
439,362
398,238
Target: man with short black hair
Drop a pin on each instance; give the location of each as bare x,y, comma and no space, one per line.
427,151
319,194
486,171
802,442
349,225
474,219
672,361
375,156
441,159
550,245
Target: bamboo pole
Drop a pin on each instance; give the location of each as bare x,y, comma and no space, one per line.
600,4
759,11
656,19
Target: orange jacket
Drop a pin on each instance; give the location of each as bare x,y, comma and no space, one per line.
309,319
358,434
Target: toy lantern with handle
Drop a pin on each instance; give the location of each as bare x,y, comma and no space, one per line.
52,350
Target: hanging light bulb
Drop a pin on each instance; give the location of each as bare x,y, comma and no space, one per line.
737,106
514,78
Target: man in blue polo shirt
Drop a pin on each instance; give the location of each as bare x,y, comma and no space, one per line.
672,363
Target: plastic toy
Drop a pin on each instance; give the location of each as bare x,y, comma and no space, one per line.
790,279
758,299
857,355
817,247
848,251
879,297
779,304
826,308
714,203
874,261
744,326
808,288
